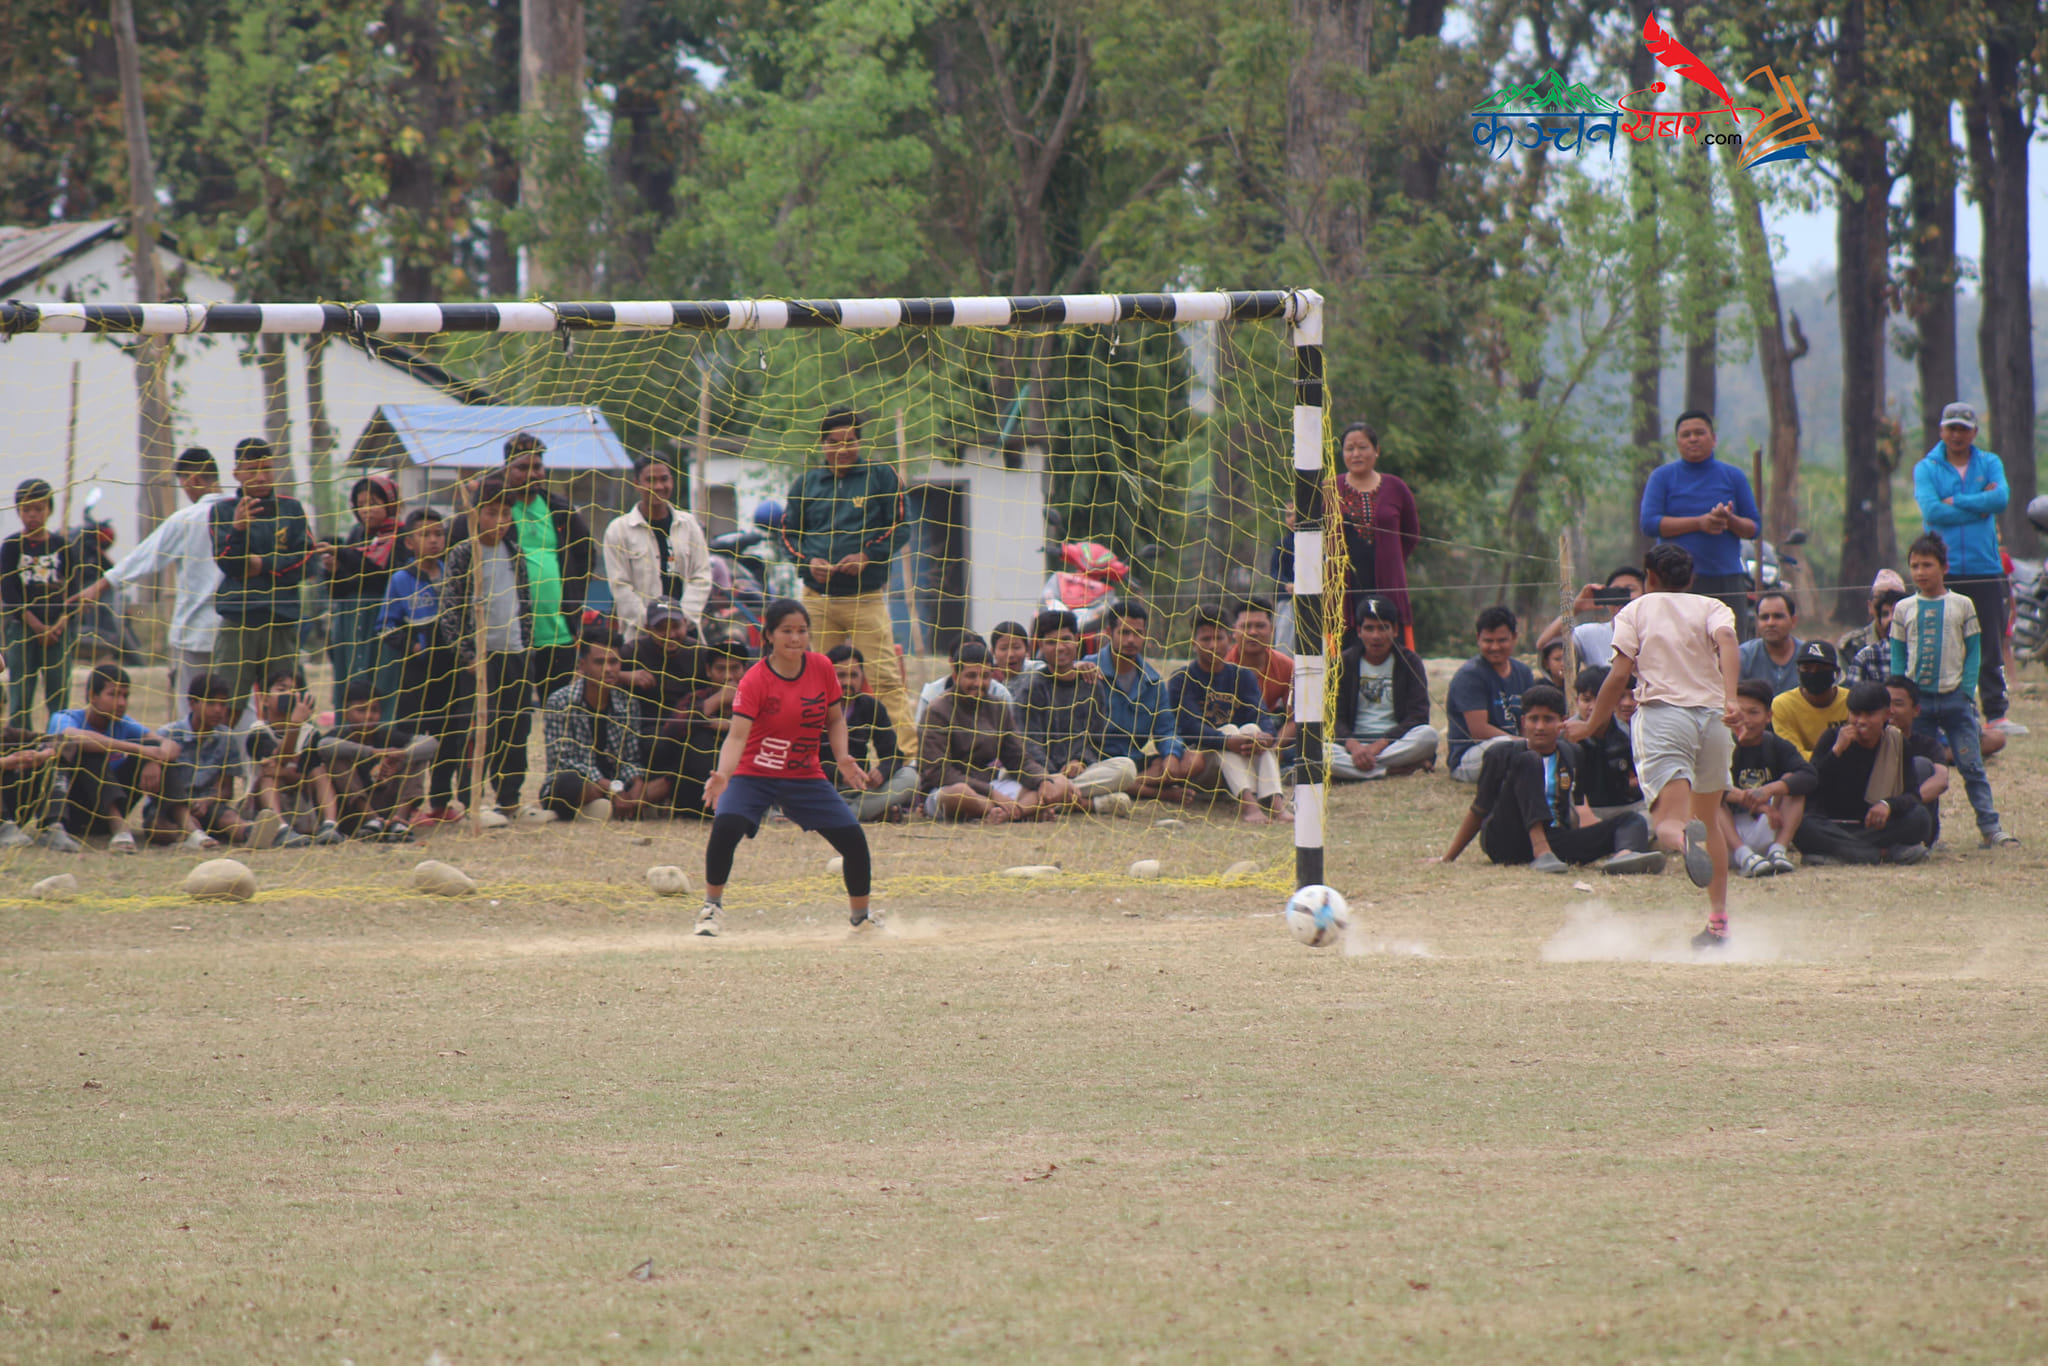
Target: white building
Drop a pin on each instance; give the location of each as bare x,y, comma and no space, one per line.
216,391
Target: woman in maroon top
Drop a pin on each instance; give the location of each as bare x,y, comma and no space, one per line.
1381,527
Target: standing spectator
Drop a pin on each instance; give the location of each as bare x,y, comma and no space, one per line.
973,763
1063,711
843,520
1679,648
102,765
1866,807
1594,640
1938,643
361,572
1139,714
1961,490
1856,637
593,746
656,551
195,800
1817,703
1706,506
1382,728
1607,763
555,541
182,542
434,692
262,544
1769,782
37,569
871,740
488,568
1485,699
1773,656
1381,526
1218,716
1254,649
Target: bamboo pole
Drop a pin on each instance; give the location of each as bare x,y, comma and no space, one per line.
1756,464
70,456
910,560
478,718
1566,595
700,495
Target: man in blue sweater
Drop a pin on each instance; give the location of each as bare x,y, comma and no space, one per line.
1139,712
1961,490
1705,505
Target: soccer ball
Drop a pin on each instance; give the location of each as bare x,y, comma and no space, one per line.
1318,916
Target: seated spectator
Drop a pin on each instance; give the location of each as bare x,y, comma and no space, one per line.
1608,761
937,688
1063,711
1009,654
435,691
1594,609
1866,806
1139,714
1937,642
1768,784
1905,711
1220,718
1872,663
593,745
973,763
1485,700
871,740
494,571
291,782
24,754
1550,664
661,671
1817,703
1773,655
1854,639
194,801
1382,728
378,769
1253,622
102,762
1528,809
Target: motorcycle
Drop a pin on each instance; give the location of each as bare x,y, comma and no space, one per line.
1769,575
744,565
1087,587
2030,595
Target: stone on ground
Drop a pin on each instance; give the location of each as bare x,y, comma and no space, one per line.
62,887
436,878
668,880
1145,868
220,879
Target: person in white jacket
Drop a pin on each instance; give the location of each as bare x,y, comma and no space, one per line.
181,542
655,551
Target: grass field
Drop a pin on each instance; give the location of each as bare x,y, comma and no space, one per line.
1080,1119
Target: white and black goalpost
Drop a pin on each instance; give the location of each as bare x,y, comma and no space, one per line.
1301,310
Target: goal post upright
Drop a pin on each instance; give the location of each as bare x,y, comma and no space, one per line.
1312,665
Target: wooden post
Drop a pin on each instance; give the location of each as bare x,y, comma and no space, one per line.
152,353
910,560
1756,465
70,456
478,719
1565,597
700,496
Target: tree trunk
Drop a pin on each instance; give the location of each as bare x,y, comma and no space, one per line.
1646,411
1325,105
1422,172
153,414
1999,133
1860,248
277,409
1932,296
420,246
501,256
327,490
1703,268
551,112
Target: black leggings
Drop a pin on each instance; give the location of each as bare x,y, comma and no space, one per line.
729,829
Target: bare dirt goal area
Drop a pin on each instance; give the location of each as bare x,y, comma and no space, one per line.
1083,1118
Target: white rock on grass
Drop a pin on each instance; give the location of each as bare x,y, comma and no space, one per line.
1243,868
835,865
666,879
1145,868
220,879
436,878
62,887
1033,870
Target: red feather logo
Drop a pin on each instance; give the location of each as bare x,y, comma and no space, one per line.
1677,56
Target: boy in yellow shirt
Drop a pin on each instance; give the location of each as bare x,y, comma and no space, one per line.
1803,713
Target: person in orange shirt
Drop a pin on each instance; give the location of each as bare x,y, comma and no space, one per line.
1253,622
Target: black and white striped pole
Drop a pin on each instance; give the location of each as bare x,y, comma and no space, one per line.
1311,664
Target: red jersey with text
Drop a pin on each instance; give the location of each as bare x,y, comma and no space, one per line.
788,716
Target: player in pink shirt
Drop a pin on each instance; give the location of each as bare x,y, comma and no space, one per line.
770,759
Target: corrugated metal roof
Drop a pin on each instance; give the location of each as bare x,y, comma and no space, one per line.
26,253
577,438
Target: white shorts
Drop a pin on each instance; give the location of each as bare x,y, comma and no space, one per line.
1692,743
1008,789
1753,830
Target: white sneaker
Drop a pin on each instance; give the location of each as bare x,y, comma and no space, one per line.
11,836
2011,727
536,815
1114,804
599,810
123,843
56,837
263,834
495,820
708,921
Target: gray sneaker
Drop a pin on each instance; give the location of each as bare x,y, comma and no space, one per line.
1547,862
1909,853
708,921
328,833
1648,862
1781,861
1758,866
868,919
11,836
59,840
289,838
1699,864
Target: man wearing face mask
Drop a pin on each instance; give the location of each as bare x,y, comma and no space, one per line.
1817,703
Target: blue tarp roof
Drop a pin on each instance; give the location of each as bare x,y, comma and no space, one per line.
454,436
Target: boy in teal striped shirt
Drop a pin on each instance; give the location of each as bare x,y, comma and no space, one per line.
1937,642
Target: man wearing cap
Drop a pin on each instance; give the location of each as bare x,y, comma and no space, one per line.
1961,490
1382,725
656,551
1706,506
1802,714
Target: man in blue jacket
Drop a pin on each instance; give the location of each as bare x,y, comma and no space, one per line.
1139,711
1707,506
1961,490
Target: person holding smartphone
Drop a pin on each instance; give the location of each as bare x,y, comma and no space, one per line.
1593,641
